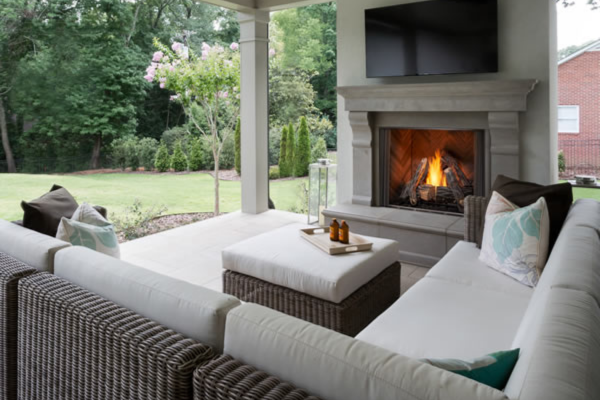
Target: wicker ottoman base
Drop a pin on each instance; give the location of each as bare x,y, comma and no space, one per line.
348,317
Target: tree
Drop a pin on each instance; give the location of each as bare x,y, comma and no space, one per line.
179,161
319,150
283,162
291,149
14,26
562,164
81,84
567,3
567,51
302,154
162,162
306,41
206,86
238,147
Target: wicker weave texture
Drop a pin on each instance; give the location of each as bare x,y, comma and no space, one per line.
11,271
474,216
227,379
348,317
74,344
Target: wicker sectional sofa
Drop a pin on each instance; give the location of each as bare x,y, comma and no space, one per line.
99,328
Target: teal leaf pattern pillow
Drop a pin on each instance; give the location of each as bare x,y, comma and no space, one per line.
515,240
89,229
493,370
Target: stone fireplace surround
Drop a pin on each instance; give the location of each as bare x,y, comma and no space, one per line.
491,106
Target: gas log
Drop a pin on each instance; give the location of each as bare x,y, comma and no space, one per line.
437,194
458,185
410,190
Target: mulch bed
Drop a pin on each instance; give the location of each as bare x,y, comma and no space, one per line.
224,175
167,222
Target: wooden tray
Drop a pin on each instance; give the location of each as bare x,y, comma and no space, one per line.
320,238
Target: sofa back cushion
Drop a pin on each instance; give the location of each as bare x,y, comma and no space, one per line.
32,248
337,367
560,353
194,311
574,262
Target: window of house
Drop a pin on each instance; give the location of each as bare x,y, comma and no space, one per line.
568,119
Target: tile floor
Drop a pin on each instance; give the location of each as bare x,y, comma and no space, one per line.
193,252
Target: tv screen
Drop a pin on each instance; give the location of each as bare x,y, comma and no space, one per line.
433,37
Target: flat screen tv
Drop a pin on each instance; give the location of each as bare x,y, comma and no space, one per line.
434,37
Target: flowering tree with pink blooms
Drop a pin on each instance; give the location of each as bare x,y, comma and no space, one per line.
206,85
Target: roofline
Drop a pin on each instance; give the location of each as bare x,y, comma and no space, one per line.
580,52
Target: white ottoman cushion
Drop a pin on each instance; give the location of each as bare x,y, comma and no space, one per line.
284,258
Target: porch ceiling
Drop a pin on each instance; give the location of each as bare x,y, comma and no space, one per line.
266,5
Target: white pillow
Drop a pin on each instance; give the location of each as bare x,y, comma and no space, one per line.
515,240
89,229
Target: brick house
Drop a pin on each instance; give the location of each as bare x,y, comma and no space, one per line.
579,111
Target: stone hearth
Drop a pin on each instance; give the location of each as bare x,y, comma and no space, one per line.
493,107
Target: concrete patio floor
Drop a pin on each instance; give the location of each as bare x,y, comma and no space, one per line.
193,252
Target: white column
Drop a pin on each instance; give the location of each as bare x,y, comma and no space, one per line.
254,46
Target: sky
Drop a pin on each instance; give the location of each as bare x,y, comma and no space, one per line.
577,24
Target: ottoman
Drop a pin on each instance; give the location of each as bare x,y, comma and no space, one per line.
283,271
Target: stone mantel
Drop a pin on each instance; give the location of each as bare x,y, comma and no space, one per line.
488,96
491,106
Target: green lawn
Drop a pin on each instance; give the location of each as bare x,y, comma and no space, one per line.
179,193
583,193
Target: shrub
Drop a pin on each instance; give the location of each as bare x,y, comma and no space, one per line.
227,159
177,135
301,206
162,161
283,162
320,150
562,164
274,172
136,221
179,161
196,152
146,151
208,162
274,145
238,147
125,152
302,153
291,150
321,127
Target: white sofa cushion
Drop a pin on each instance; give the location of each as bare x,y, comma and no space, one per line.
443,319
30,247
194,311
461,265
584,212
560,355
574,262
282,257
336,367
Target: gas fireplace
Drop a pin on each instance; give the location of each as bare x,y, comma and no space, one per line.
431,169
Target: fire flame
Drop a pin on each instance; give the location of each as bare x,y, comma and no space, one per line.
436,176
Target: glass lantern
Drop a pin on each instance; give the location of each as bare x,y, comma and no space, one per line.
321,190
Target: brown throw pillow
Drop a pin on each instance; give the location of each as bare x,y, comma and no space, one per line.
559,199
43,214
